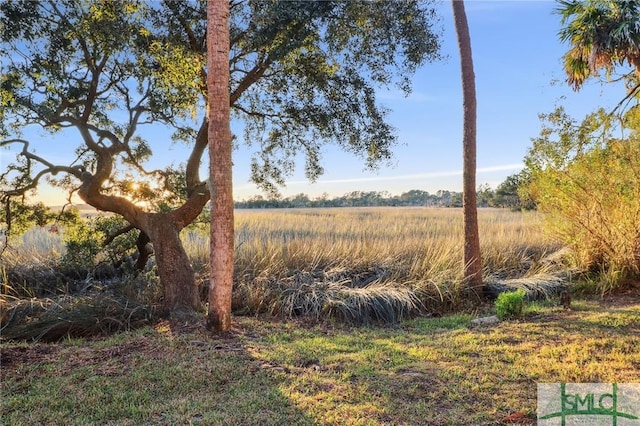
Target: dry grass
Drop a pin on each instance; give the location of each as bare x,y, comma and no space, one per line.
411,255
46,319
356,264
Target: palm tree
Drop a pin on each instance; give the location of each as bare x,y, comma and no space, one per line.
220,166
472,258
602,34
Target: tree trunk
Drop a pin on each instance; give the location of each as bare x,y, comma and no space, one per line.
180,291
472,259
220,166
181,296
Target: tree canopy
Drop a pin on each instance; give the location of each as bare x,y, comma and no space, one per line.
302,74
95,74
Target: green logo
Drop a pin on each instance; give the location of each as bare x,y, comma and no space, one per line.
589,404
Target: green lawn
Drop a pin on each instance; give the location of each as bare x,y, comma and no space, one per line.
425,371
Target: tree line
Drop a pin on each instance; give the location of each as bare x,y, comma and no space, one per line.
506,195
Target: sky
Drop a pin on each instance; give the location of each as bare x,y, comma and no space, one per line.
518,68
517,61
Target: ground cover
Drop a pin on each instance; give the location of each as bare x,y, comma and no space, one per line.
435,371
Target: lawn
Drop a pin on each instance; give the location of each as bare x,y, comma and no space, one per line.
426,371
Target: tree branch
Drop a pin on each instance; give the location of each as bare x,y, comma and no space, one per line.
634,91
116,234
195,159
77,171
252,76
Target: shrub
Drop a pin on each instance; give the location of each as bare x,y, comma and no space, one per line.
97,240
509,305
588,184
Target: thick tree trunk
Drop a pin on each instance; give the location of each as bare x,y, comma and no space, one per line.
220,166
180,292
472,259
179,289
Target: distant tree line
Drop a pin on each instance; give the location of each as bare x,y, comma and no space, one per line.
506,195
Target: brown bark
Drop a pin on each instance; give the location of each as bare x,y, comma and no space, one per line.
220,166
181,296
472,258
143,250
177,277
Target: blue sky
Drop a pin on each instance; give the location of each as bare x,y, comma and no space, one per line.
517,59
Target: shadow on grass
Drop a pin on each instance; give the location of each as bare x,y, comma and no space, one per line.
266,372
149,376
424,372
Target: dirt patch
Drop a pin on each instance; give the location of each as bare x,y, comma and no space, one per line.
112,360
624,298
12,358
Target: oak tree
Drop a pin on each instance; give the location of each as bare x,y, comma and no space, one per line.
93,75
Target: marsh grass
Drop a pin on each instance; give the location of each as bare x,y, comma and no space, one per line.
48,319
436,371
373,264
359,265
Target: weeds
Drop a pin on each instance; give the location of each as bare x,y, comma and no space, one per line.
510,305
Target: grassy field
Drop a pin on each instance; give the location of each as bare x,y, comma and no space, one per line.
408,255
356,265
292,359
427,371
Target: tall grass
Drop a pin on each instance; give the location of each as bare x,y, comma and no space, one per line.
369,263
357,264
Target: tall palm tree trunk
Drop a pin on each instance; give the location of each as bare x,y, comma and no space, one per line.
220,167
472,258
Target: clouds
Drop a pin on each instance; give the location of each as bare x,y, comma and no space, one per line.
409,177
396,184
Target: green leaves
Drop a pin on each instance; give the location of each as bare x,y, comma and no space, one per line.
588,183
319,66
509,305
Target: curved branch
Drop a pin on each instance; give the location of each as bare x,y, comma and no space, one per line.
190,210
50,168
252,76
116,234
193,163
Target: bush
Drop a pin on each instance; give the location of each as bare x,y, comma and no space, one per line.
509,305
95,241
588,184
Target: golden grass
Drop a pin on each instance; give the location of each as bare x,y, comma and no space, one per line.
354,263
409,244
370,263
